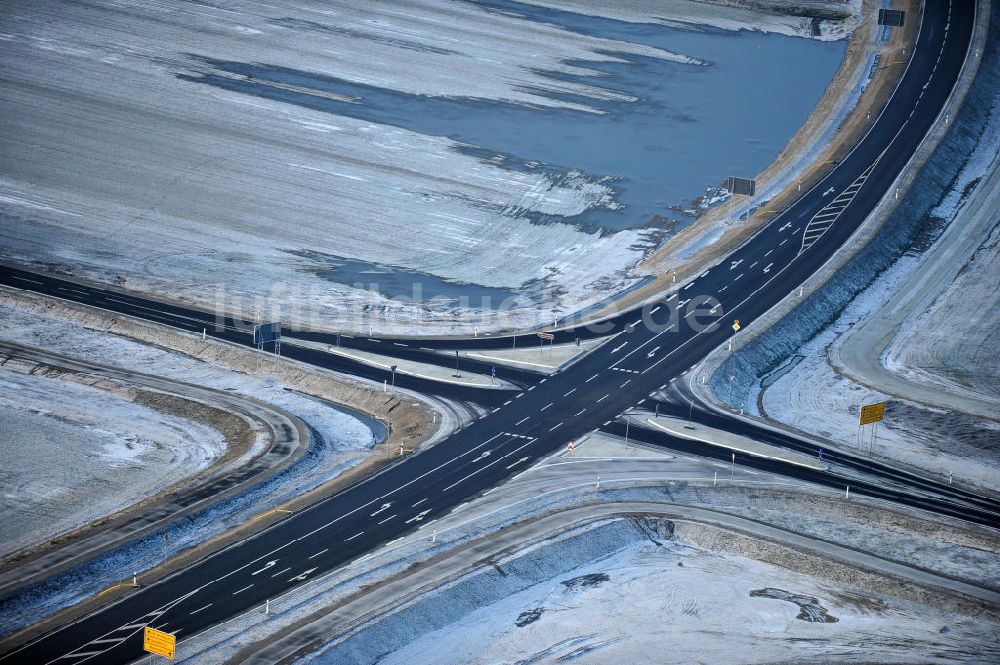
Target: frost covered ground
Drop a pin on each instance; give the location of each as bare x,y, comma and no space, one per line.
947,344
74,453
340,441
324,607
908,320
325,158
952,344
829,19
346,433
649,599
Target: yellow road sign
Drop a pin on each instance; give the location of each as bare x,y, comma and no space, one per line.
872,413
736,325
158,642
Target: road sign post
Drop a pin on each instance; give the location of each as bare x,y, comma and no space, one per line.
158,642
542,336
268,332
871,414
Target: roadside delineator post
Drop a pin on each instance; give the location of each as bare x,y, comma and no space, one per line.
847,493
598,482
715,480
267,606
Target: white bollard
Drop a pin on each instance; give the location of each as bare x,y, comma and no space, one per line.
267,606
385,385
598,482
203,333
715,480
135,582
847,493
434,537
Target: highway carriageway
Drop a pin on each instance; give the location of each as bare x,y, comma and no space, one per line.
624,372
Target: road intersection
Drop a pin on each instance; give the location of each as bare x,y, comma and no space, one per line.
651,346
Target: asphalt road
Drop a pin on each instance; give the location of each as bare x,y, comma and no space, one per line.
667,340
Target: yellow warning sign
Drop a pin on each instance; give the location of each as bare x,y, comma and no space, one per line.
872,413
736,325
158,642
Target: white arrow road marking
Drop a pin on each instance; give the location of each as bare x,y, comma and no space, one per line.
520,461
652,353
385,506
303,576
483,468
767,268
787,224
827,192
732,266
419,516
619,347
266,566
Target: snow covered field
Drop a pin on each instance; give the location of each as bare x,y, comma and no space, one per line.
317,162
74,453
953,342
948,344
829,19
650,599
347,434
341,442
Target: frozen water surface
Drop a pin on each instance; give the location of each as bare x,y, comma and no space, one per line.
673,129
